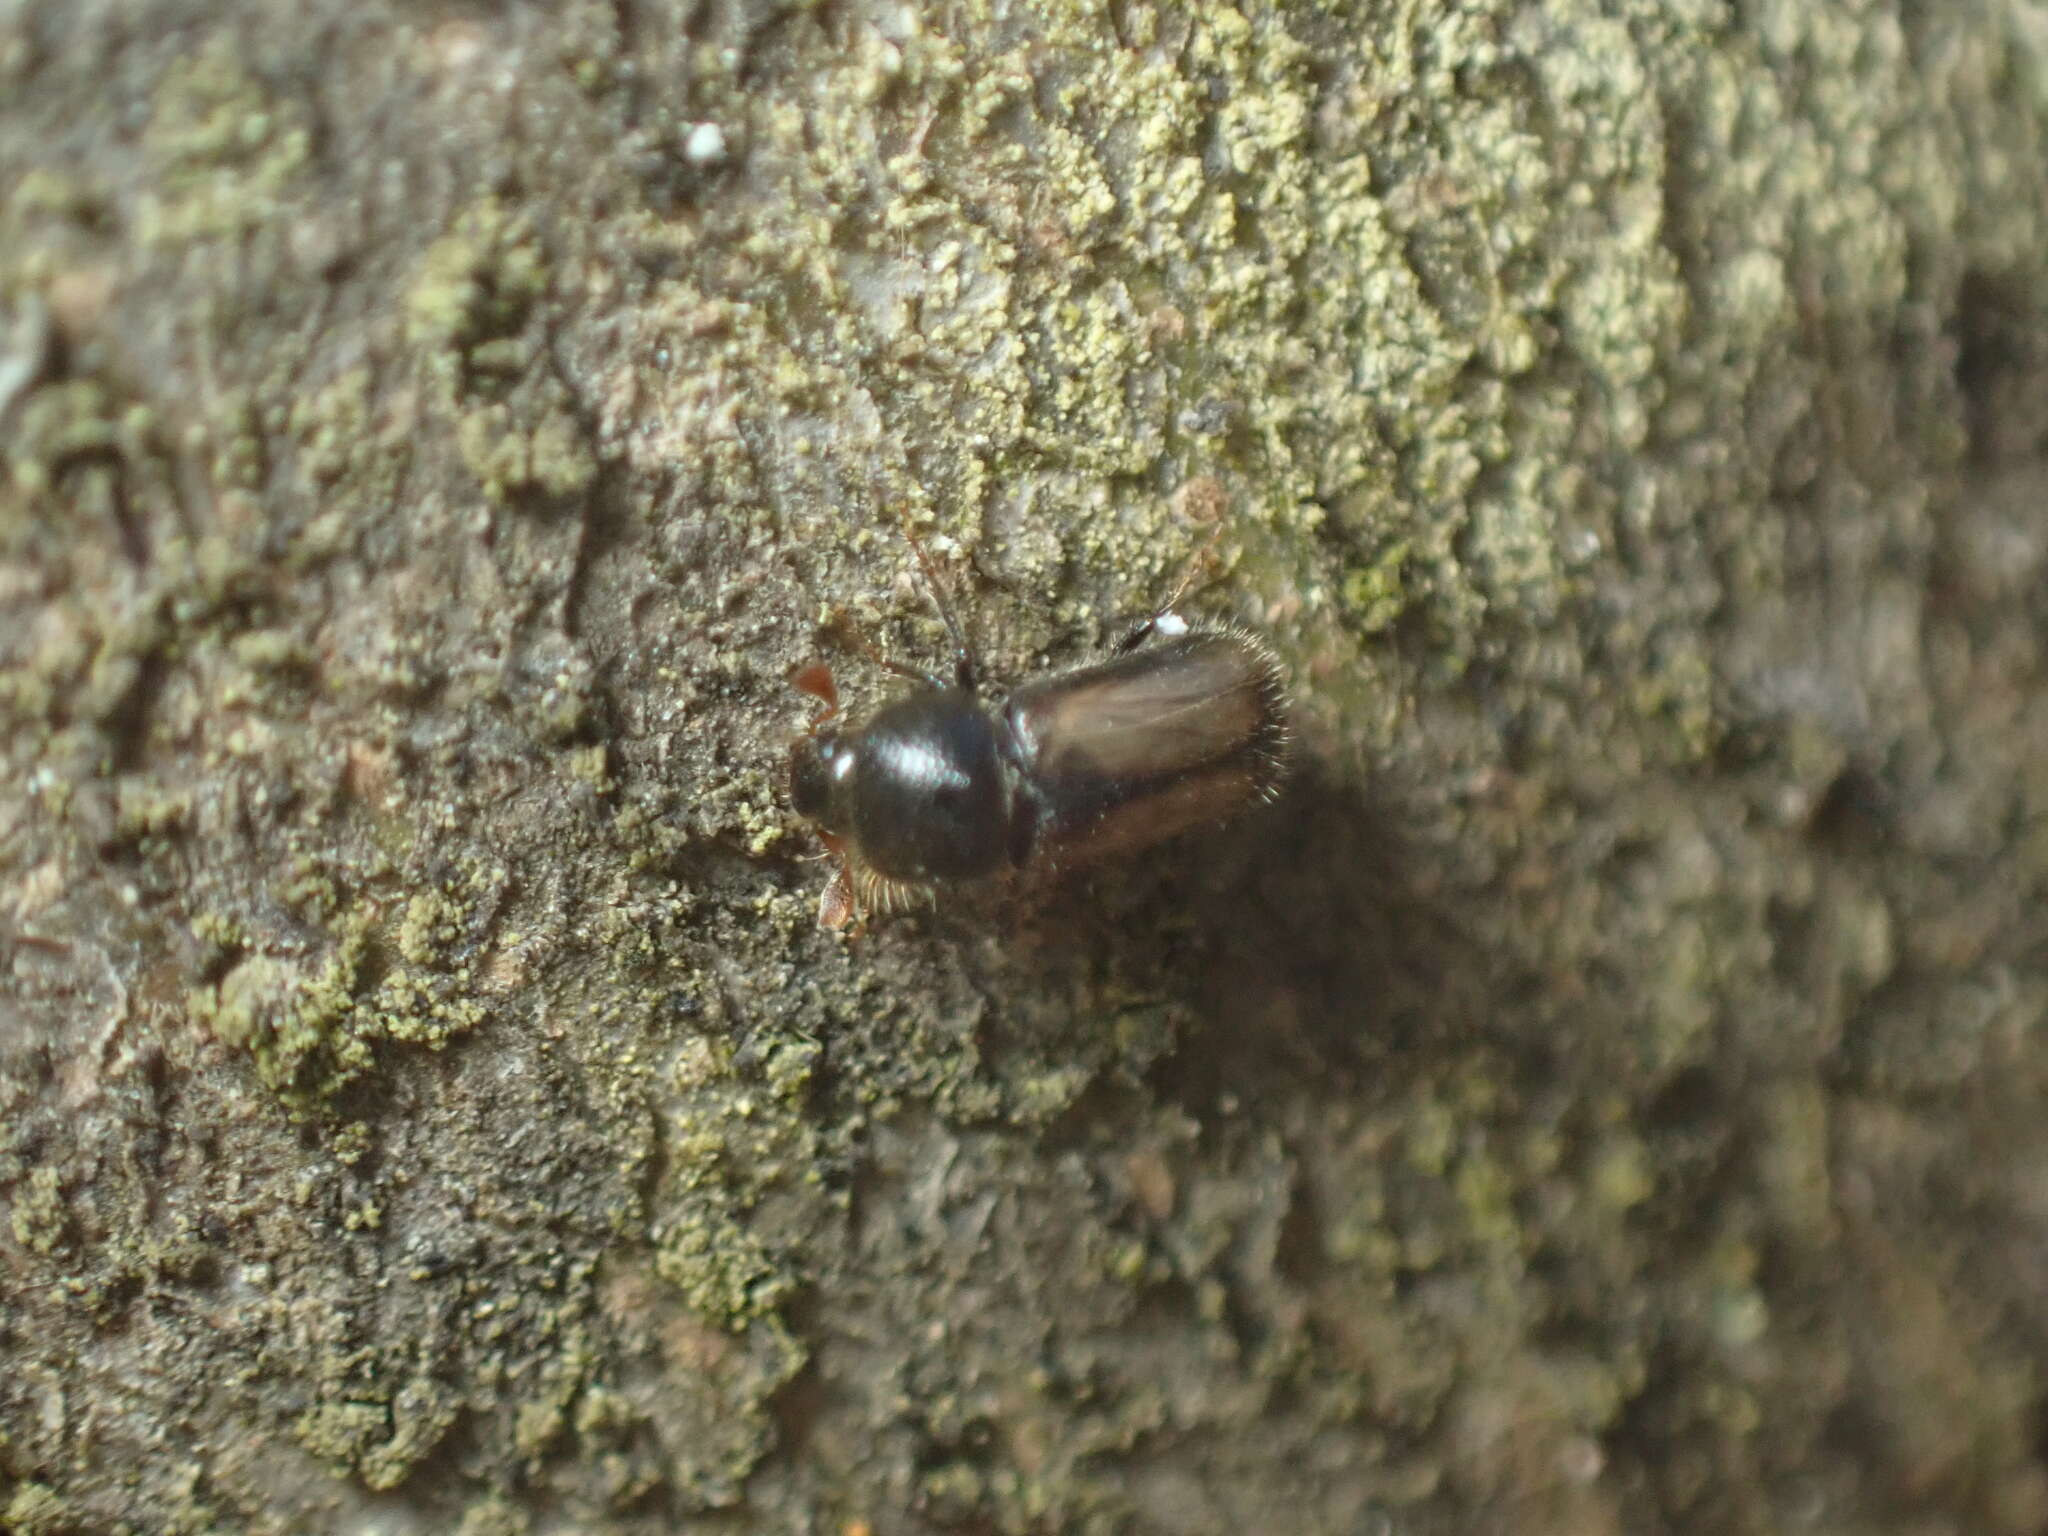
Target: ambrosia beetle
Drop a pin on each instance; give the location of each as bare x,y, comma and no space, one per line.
1181,726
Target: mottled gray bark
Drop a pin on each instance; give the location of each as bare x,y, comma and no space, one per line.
1606,1094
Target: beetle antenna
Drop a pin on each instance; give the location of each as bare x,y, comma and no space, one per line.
966,668
963,653
1203,559
845,632
1203,562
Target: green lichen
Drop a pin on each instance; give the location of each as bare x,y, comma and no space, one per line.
41,1218
494,1517
1373,595
476,284
465,310
270,651
36,1509
291,1020
366,1217
344,1432
1622,1176
219,936
150,815
721,1269
1525,360
432,925
1485,1192
226,151
382,1442
72,422
332,424
312,1030
511,456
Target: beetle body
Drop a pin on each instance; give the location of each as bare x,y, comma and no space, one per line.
1101,760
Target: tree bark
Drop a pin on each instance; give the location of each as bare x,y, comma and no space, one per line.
1604,1093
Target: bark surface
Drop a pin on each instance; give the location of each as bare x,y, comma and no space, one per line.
1606,1093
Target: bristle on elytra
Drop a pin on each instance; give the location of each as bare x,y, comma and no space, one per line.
1274,747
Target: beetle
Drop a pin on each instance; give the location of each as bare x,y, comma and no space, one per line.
1182,726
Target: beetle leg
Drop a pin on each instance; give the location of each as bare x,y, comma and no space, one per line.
836,906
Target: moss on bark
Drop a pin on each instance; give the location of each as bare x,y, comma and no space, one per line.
1604,1095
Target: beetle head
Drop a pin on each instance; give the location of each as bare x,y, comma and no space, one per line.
817,763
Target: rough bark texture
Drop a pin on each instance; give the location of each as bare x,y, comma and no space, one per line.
1606,1094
